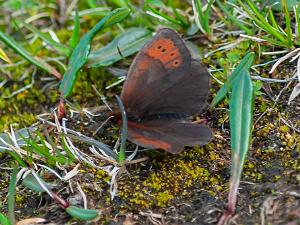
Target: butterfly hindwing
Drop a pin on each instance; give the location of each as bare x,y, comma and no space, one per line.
171,136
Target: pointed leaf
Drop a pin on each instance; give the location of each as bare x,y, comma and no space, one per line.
82,50
127,43
4,220
244,64
4,57
25,54
82,214
241,116
75,35
30,182
45,37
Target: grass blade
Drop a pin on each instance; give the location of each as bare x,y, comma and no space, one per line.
82,50
128,43
4,220
75,35
56,45
288,28
241,116
122,155
11,195
120,3
25,54
245,63
82,214
233,19
4,57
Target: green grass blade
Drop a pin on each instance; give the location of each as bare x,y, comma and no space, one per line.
289,31
25,54
82,50
31,182
4,220
128,43
82,214
58,46
297,17
75,35
121,154
233,19
241,116
11,195
245,63
18,158
261,21
4,57
272,19
120,3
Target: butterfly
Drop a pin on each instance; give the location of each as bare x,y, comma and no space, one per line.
163,88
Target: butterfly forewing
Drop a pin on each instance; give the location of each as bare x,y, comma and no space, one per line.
163,61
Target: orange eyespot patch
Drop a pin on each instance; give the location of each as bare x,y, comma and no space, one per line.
166,52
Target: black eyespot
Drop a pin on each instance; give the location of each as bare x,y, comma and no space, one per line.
159,47
175,62
163,50
172,54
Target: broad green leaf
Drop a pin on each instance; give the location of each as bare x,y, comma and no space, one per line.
80,54
127,43
244,64
82,214
25,54
30,182
116,16
75,35
4,57
45,37
4,220
241,117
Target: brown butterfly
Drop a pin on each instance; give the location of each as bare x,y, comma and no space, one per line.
165,86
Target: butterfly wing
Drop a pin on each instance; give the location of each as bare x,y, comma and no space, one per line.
160,64
188,95
171,136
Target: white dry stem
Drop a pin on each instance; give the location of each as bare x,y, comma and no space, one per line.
225,47
71,173
121,79
113,181
36,17
157,16
196,17
23,88
51,170
282,59
41,183
252,38
83,196
295,93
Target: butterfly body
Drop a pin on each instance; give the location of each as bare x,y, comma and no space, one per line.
165,86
